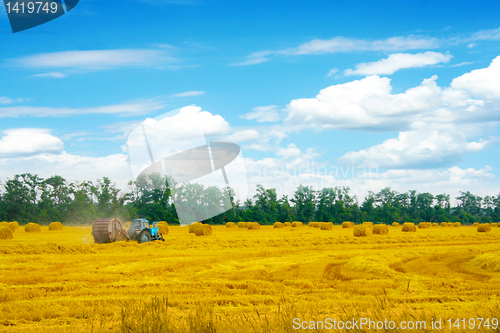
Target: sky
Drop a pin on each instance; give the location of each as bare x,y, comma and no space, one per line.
361,94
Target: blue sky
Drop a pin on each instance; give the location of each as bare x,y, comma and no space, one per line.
403,94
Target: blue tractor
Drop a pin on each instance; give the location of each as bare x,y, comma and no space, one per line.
142,231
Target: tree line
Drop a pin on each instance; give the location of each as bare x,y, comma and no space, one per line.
30,198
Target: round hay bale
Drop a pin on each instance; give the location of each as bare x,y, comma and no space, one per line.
163,228
435,224
457,224
8,225
296,224
409,227
362,230
424,225
311,224
203,230
253,226
475,224
192,227
327,226
230,225
347,224
287,224
278,225
55,226
15,224
242,224
32,227
395,224
494,224
444,224
380,229
370,224
484,227
5,233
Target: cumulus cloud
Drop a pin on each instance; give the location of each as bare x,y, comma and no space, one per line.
243,135
399,61
6,100
28,141
263,114
482,83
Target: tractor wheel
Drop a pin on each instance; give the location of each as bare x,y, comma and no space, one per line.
144,237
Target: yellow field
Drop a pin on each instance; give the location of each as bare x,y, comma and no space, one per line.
240,280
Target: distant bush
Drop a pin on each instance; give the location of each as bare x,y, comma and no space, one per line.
408,227
32,227
55,226
380,229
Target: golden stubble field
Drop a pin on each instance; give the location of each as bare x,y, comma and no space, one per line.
240,280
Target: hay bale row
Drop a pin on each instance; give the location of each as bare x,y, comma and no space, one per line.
193,226
395,224
347,224
370,224
253,226
296,224
7,225
203,230
409,227
32,227
326,226
444,224
54,226
380,229
15,224
163,228
424,225
230,225
457,224
486,227
287,224
278,225
495,224
244,224
435,224
5,233
362,230
315,224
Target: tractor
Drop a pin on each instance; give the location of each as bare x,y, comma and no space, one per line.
142,231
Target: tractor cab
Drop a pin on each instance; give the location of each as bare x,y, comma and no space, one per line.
142,231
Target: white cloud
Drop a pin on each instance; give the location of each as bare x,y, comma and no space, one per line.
344,45
54,75
126,109
332,72
6,100
94,59
188,94
28,141
422,148
263,114
482,83
399,61
243,135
